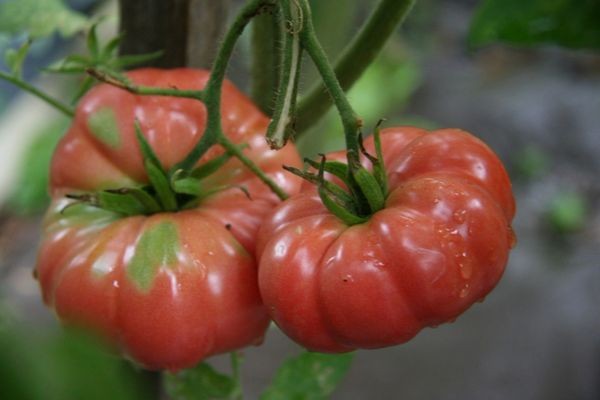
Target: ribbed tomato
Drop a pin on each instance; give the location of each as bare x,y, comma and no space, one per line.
440,244
174,287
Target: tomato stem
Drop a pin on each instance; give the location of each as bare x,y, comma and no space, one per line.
350,120
284,113
212,99
15,80
355,58
264,69
210,96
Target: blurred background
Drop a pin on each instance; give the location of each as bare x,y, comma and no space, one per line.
522,75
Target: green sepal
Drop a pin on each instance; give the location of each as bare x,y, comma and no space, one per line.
160,183
119,203
134,59
377,160
339,210
188,185
211,166
14,58
84,87
148,202
206,193
92,41
156,173
111,46
370,188
336,168
148,153
331,187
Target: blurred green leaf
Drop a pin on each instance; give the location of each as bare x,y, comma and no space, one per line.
63,365
568,23
531,162
40,18
14,58
384,88
31,193
568,212
311,376
199,383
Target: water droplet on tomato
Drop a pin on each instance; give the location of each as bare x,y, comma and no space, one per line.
464,291
348,278
460,216
115,283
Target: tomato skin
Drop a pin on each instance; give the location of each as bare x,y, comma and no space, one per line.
440,244
170,289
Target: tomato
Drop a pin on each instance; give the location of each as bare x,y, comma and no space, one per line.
174,287
440,244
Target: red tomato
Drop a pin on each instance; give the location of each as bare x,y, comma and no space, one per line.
440,244
170,288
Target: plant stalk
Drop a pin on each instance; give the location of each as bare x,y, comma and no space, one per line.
355,59
66,110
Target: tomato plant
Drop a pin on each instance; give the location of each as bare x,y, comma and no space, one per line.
171,286
439,244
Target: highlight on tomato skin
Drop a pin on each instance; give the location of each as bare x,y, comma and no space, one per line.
439,245
170,288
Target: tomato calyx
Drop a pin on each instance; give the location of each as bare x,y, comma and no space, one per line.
167,191
362,192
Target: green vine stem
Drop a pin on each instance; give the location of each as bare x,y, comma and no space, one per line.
284,112
120,81
350,120
355,59
212,97
264,69
66,110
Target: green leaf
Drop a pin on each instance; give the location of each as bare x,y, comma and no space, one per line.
567,23
56,365
309,376
199,383
40,18
31,192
